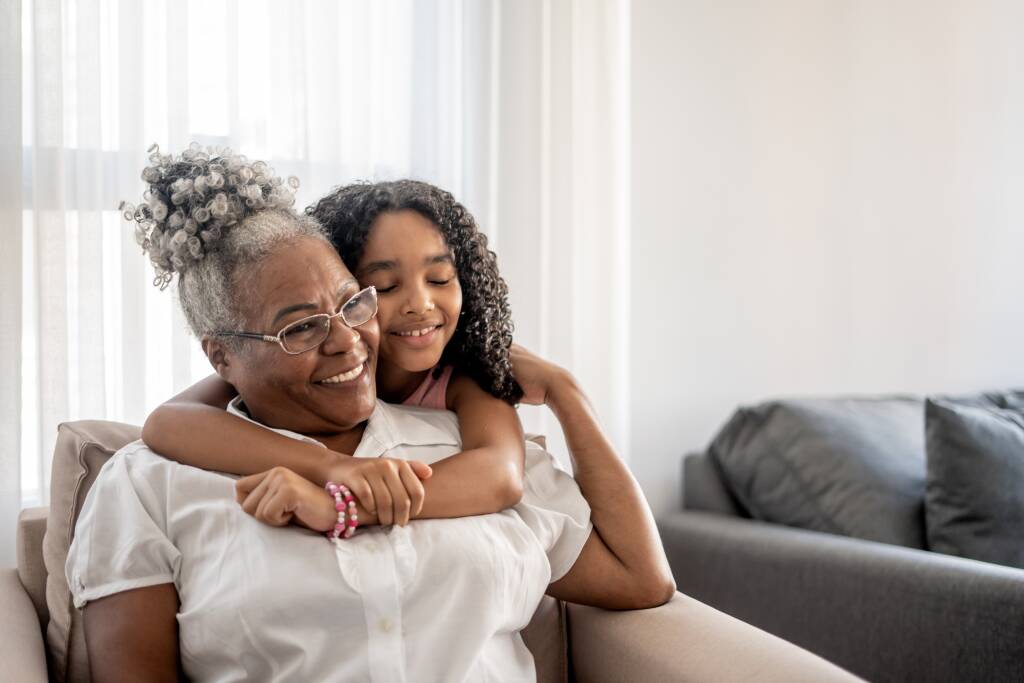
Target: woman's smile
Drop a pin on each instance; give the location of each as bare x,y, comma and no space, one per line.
346,376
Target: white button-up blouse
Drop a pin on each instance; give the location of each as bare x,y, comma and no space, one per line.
438,600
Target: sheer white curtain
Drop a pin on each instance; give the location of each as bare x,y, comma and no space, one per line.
518,108
560,193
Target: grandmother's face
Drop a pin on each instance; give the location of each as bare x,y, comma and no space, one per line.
310,392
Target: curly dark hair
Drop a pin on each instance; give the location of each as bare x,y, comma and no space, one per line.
480,345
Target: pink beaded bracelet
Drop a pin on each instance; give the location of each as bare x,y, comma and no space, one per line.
344,502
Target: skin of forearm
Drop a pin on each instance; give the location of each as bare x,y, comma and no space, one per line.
619,511
497,484
213,439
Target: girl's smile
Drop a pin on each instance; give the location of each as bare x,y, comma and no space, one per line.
419,337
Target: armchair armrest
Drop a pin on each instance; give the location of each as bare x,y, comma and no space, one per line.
31,567
685,640
22,651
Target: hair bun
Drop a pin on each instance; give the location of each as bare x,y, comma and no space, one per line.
194,198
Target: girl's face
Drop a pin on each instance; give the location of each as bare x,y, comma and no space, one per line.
419,297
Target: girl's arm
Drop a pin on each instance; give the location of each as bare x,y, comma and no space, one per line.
194,428
487,476
622,565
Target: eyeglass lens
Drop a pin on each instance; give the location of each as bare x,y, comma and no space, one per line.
310,332
360,308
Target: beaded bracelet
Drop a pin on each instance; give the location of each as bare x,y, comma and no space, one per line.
339,505
343,501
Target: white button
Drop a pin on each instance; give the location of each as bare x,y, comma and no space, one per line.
385,625
372,547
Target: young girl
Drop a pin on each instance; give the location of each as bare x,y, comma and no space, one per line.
446,330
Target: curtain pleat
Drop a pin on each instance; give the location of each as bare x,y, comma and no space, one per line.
49,226
87,178
130,143
11,288
179,137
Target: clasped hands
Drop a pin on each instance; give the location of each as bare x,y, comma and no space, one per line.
387,490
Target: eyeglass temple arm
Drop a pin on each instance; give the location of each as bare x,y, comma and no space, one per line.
250,335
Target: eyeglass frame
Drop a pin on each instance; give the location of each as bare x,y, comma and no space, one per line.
279,337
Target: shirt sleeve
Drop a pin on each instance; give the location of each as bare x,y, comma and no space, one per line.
120,540
554,509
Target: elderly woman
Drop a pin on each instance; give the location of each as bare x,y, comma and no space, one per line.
177,577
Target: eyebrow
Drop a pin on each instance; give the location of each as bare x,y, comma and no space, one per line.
440,258
391,265
346,285
379,265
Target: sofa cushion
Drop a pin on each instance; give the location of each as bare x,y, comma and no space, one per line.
82,449
703,488
848,466
974,505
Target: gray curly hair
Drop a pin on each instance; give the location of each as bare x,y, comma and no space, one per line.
207,216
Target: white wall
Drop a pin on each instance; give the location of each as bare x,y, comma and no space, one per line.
827,197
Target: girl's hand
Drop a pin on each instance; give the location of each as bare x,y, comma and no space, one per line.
389,488
536,376
278,496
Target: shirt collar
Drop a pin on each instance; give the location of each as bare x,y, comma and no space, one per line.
392,426
389,427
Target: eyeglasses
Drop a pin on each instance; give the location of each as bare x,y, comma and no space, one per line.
309,333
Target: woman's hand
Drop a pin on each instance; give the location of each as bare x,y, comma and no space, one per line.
387,487
278,496
538,377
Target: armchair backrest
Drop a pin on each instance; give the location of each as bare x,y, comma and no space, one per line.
81,451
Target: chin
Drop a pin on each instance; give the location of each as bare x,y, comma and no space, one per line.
421,364
363,405
353,413
421,359
415,361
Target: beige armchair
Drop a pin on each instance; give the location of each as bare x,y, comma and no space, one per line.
42,639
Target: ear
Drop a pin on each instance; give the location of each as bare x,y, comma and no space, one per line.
220,357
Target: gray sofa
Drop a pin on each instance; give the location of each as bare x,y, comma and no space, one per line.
42,636
881,611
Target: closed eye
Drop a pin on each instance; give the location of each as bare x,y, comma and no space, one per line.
301,328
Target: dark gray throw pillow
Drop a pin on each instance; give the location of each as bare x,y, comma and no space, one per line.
974,503
848,466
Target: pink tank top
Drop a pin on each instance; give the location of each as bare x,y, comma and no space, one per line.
431,393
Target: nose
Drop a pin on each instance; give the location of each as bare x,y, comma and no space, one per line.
418,300
340,338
